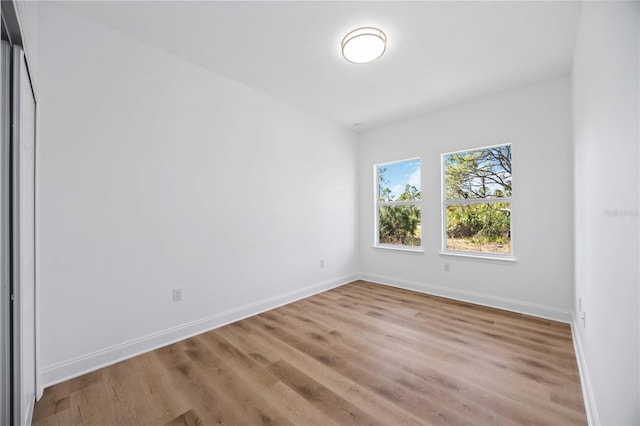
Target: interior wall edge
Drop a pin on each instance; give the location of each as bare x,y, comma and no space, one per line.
70,369
585,381
512,305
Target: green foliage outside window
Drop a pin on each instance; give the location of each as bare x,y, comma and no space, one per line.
398,224
475,182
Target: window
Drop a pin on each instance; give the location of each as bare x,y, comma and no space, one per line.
477,201
398,218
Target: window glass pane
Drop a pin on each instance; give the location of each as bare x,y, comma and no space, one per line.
481,173
399,181
482,227
399,225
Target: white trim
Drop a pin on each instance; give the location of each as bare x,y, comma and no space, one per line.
395,161
25,392
93,361
479,255
470,201
5,225
414,249
533,309
399,203
36,252
587,390
28,416
477,149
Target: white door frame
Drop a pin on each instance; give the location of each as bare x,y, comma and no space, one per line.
5,265
23,238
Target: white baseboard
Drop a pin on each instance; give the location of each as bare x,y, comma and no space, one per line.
517,306
587,391
90,362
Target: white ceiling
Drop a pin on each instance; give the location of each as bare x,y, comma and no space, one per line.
439,53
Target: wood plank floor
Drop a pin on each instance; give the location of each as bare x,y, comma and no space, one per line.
359,354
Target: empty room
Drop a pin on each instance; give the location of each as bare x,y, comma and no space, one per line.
320,213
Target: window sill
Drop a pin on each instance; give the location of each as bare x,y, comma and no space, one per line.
480,256
399,248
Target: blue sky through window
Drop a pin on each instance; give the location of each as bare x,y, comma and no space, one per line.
399,174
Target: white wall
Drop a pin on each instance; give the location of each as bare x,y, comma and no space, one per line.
537,121
154,173
606,126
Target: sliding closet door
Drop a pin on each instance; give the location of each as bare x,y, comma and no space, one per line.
23,227
5,305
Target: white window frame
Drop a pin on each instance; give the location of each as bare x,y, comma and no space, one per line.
378,204
446,202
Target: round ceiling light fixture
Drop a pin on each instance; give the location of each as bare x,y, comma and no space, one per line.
364,45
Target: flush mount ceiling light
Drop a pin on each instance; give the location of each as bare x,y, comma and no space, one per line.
364,45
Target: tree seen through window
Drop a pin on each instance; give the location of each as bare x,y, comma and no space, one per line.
398,203
477,200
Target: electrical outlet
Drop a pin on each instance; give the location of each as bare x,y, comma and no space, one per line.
447,267
322,263
177,294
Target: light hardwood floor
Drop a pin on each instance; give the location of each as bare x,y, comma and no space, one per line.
358,354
